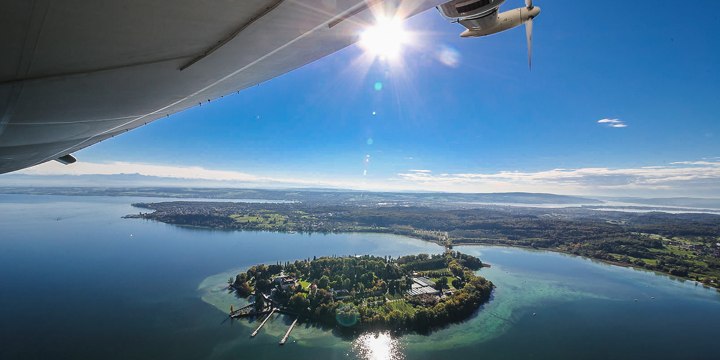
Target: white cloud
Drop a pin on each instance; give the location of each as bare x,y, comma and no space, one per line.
687,177
681,178
698,163
615,123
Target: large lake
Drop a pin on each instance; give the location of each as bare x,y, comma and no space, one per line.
79,282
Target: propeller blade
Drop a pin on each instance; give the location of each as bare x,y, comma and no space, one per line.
528,4
528,35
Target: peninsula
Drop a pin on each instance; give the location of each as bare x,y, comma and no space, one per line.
684,245
414,293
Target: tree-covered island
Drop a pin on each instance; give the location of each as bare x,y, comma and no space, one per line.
409,293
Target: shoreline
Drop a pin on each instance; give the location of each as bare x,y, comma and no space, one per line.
386,231
604,261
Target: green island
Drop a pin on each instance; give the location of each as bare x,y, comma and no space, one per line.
414,293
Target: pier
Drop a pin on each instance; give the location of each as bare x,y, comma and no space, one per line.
243,311
287,334
263,323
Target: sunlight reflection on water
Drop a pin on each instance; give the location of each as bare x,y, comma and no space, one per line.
377,346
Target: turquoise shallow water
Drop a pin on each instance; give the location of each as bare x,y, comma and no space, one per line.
80,282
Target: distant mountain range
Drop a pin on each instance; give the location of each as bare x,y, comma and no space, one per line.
113,180
314,195
142,185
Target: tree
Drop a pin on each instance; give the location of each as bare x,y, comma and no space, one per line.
422,319
382,285
243,289
442,283
324,282
367,279
347,315
456,269
457,283
299,304
263,284
240,278
346,284
259,301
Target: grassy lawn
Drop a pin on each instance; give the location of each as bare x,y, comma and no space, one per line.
259,218
440,270
401,306
676,250
262,219
449,281
652,262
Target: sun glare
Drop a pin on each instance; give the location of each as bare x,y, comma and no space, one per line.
378,346
385,39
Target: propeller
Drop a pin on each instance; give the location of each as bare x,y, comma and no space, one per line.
528,35
528,32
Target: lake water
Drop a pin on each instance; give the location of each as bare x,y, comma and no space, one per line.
79,282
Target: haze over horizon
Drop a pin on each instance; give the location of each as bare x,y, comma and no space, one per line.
616,106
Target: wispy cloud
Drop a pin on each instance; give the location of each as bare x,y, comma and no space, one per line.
681,178
685,177
614,123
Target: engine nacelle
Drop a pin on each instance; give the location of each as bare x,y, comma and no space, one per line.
504,21
459,10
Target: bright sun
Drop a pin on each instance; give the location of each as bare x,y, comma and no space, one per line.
385,39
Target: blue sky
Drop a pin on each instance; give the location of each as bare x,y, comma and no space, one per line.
652,66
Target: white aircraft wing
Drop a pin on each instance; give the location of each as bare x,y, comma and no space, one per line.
76,72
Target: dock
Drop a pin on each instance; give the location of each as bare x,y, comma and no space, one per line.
263,323
243,311
287,334
248,311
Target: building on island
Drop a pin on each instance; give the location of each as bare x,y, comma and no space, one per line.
285,282
421,286
341,294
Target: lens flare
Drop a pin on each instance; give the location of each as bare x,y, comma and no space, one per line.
385,39
448,56
347,315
